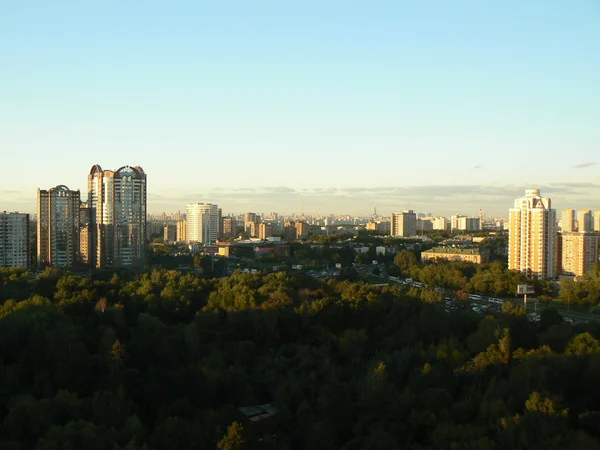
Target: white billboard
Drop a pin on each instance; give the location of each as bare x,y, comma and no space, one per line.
525,289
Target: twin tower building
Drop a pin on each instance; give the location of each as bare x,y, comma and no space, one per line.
108,230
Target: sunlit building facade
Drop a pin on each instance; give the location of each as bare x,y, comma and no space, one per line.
532,235
117,200
58,223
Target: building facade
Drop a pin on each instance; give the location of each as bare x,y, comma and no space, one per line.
170,233
567,220
403,224
118,207
302,229
532,234
202,223
578,252
229,227
58,223
14,240
473,255
265,230
585,221
182,231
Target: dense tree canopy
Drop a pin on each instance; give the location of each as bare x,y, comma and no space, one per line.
164,360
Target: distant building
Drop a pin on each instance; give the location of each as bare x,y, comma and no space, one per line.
403,224
440,223
229,227
58,214
170,233
265,230
531,240
585,221
424,224
567,220
252,229
182,231
597,220
371,226
473,255
302,230
464,223
14,240
578,252
202,223
289,231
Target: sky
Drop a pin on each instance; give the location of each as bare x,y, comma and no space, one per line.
315,106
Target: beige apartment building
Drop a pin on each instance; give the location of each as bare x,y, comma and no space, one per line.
302,229
403,224
473,255
265,230
182,231
532,235
169,234
578,252
567,220
585,220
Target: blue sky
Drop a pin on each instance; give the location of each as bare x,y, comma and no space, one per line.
435,105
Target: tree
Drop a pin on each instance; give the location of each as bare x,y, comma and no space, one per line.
583,344
405,260
233,439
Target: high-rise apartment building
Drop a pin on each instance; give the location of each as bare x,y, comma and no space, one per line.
202,223
117,200
578,252
464,223
289,230
58,219
532,235
302,230
585,220
169,234
567,220
597,220
14,240
229,227
182,231
265,230
404,224
441,223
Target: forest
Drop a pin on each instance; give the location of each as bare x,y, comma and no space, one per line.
164,360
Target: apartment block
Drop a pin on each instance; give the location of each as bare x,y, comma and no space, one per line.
403,224
58,223
14,240
532,235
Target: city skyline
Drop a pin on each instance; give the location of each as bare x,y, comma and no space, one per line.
459,199
447,107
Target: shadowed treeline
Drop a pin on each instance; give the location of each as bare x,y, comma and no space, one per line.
163,360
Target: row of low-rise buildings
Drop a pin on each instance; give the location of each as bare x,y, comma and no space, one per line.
407,223
538,249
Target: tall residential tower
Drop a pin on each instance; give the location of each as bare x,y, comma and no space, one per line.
58,211
117,206
532,236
